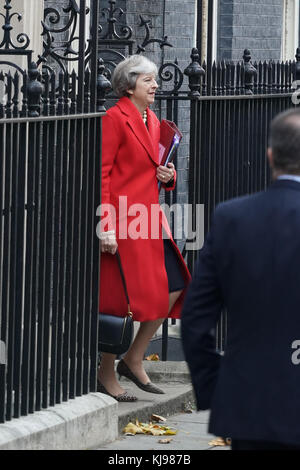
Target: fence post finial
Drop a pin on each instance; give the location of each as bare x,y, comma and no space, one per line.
103,86
34,91
250,73
194,72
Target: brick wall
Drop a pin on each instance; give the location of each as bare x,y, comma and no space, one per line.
173,18
255,24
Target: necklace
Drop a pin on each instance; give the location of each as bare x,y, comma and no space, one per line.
145,116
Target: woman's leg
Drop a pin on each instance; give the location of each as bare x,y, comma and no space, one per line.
107,376
173,296
135,355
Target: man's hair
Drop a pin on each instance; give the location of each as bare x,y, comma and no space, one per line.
126,73
285,141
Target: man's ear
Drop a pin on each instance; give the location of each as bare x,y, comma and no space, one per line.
270,157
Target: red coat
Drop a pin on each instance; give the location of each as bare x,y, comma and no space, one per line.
129,163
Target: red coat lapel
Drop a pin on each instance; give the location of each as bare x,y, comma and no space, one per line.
136,124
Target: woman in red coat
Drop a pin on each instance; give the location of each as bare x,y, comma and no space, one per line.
132,222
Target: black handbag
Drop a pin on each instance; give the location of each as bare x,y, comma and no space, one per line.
116,333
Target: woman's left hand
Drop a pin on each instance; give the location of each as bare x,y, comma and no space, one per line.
165,173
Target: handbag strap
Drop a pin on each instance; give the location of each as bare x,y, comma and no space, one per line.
129,313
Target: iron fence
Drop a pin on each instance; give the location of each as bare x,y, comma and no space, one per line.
50,140
50,176
229,139
49,258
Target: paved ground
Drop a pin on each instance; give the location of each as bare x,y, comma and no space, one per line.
191,435
177,405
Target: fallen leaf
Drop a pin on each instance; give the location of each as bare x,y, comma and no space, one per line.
132,429
165,441
187,407
157,432
170,432
219,441
152,357
157,418
148,428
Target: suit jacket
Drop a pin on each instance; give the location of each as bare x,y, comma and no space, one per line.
250,264
129,165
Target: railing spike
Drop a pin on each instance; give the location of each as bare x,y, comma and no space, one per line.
194,72
103,86
34,89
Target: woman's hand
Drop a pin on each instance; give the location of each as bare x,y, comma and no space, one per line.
165,173
108,242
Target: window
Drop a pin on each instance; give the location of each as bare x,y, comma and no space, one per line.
204,8
290,30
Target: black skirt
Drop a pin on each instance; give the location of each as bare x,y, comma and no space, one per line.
172,263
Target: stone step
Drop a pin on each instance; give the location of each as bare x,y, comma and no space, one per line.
171,376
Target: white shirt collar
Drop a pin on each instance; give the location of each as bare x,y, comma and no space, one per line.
289,177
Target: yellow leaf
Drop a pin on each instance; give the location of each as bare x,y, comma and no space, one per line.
145,429
170,432
132,429
157,432
152,357
219,441
148,428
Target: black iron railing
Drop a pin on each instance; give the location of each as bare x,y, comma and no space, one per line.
50,175
50,140
229,139
49,258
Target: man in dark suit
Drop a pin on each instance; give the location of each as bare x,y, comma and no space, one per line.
250,265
